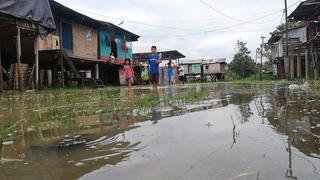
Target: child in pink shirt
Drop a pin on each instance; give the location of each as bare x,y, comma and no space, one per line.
128,72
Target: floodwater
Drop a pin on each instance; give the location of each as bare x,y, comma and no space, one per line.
211,131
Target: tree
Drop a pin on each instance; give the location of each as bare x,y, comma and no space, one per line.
267,65
242,64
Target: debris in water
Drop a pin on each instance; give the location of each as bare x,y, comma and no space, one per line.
79,164
7,143
30,129
294,87
71,141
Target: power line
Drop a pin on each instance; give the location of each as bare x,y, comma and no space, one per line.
172,27
220,12
194,34
231,17
196,31
215,30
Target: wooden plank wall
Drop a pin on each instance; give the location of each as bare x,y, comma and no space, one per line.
51,42
83,46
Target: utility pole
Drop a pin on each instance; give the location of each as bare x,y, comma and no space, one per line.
262,46
286,57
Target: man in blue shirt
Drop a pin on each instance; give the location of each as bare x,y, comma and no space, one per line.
154,61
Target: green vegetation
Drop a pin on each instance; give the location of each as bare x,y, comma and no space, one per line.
233,78
242,64
315,84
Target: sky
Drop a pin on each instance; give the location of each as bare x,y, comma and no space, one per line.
199,29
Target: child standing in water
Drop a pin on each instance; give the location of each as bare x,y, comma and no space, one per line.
154,61
170,72
128,72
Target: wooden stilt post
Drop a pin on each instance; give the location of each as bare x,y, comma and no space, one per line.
36,53
299,66
312,60
316,63
18,46
62,71
291,61
307,64
1,74
97,71
61,54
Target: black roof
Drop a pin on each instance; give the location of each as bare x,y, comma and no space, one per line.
166,55
60,10
307,10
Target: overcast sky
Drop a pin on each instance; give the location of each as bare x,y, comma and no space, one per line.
194,27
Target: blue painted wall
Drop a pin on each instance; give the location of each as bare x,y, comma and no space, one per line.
105,51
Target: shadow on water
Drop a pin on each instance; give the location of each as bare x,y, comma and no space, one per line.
241,120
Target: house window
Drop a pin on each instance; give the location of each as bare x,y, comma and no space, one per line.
207,67
88,34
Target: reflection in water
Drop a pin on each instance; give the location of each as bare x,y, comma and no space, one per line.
155,116
289,173
117,129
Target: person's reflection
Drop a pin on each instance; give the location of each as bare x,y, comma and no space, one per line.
170,92
155,115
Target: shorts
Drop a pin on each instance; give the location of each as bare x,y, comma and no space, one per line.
154,78
181,78
128,79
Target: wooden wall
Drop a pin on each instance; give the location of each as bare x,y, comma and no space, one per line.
51,42
214,68
84,46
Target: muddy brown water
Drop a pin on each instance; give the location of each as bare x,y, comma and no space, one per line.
233,132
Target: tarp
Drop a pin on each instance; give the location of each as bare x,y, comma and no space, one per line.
37,11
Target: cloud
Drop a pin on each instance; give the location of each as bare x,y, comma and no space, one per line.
186,19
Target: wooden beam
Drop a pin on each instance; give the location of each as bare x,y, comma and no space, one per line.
316,64
62,71
36,53
97,71
307,64
1,74
18,44
5,72
291,61
299,66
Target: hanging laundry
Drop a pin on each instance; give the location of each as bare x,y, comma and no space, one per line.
124,46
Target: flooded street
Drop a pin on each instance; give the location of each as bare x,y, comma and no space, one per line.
210,131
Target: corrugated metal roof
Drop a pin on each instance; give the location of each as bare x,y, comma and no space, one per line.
166,55
205,61
307,10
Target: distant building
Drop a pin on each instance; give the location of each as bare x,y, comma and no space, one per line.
205,67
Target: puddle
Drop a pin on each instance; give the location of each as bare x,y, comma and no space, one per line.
219,131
